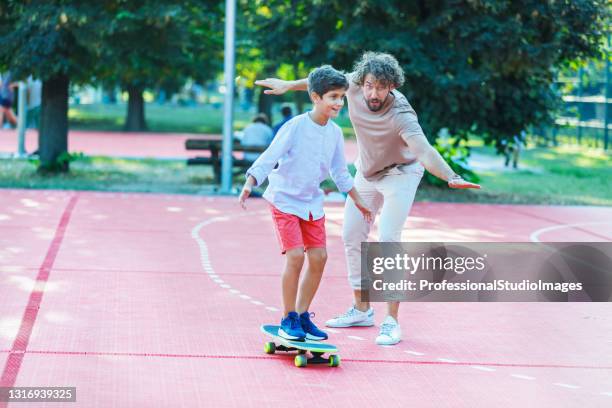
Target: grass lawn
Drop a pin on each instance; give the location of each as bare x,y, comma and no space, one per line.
168,118
110,174
563,175
160,118
566,175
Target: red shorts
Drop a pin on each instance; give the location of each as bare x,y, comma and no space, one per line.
294,232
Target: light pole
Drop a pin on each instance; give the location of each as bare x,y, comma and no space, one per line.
228,105
21,120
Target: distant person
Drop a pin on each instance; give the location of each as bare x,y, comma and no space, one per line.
258,133
512,149
7,96
287,114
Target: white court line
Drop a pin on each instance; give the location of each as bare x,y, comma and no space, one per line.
332,330
206,264
210,271
535,235
522,377
567,385
481,368
446,360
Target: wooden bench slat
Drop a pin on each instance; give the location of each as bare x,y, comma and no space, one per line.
211,161
200,144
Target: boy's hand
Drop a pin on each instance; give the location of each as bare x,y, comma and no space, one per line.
459,183
244,194
365,211
277,86
246,190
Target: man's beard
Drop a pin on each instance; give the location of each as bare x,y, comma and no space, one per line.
378,107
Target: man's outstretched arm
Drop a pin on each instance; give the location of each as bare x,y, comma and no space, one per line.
280,86
435,163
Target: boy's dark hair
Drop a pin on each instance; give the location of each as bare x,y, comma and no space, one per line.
384,67
324,79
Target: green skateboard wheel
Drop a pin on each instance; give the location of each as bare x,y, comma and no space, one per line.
269,347
300,360
334,360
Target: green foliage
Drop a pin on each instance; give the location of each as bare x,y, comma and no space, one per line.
161,43
60,165
456,155
45,38
473,66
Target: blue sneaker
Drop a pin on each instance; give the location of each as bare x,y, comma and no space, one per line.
312,331
290,328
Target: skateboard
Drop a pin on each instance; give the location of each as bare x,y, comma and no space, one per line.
316,348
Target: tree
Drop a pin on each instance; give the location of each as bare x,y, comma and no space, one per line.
285,38
57,42
472,66
160,43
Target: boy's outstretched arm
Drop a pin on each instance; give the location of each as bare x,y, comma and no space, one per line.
246,190
280,86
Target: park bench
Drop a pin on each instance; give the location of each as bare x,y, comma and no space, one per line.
240,165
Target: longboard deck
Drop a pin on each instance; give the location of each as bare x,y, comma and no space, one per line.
312,346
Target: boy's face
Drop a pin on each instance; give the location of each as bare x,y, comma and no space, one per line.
330,103
375,93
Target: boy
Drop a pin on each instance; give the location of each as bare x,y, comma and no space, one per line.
307,148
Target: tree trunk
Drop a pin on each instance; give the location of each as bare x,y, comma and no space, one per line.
53,132
135,121
298,97
264,104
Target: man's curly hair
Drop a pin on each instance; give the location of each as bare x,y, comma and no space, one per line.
384,67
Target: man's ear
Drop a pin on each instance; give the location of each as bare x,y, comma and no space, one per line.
391,87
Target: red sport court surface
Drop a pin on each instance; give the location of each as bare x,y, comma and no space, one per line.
156,301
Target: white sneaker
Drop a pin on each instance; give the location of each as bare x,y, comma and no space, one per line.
390,332
353,317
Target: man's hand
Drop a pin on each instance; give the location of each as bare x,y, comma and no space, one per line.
459,183
360,204
277,86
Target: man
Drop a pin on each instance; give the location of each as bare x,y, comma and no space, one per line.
392,153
